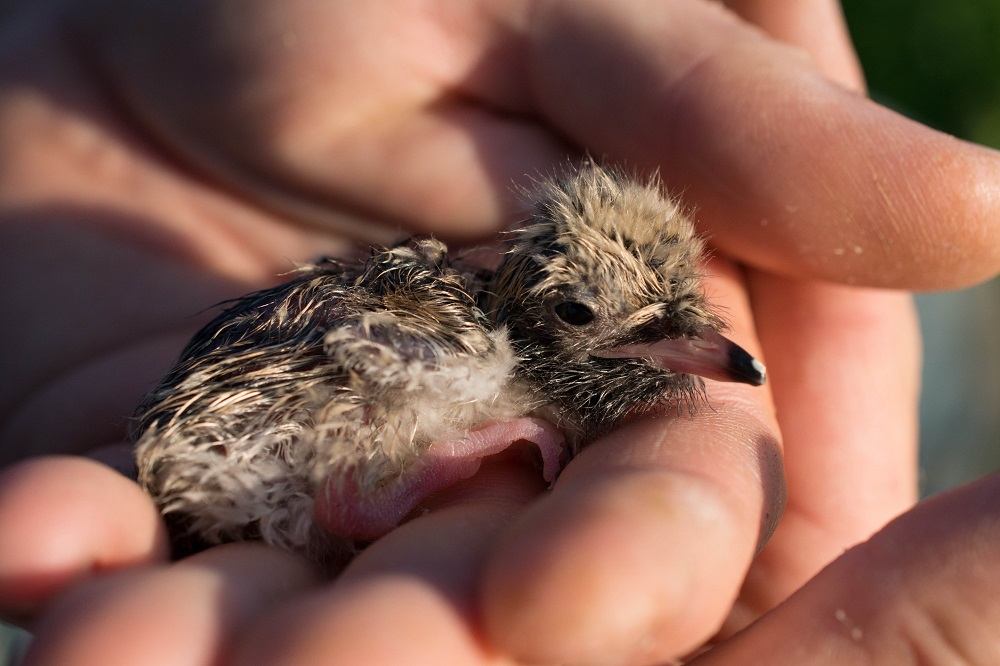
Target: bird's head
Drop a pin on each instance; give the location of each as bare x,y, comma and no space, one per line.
602,296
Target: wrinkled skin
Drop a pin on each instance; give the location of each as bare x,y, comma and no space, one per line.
159,157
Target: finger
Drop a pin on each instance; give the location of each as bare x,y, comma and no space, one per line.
844,370
288,105
790,172
658,521
817,27
410,597
832,185
181,614
844,382
64,520
923,589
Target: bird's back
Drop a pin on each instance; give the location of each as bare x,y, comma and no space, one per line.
351,367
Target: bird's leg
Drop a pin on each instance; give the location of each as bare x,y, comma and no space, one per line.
344,509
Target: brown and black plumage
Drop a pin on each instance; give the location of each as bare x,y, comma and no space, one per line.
335,402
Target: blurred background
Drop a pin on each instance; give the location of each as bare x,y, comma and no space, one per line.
939,63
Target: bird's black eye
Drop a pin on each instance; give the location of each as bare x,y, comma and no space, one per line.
575,314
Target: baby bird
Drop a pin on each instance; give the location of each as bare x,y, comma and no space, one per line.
348,370
320,412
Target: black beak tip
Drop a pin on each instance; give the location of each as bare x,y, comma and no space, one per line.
745,368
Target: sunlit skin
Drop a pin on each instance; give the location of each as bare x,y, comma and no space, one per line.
154,167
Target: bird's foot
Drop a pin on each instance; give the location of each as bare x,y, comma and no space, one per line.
346,510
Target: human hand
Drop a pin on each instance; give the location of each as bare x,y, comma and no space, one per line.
170,195
924,585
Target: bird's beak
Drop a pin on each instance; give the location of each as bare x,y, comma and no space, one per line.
708,355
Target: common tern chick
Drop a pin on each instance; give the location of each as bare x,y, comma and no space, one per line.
322,411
